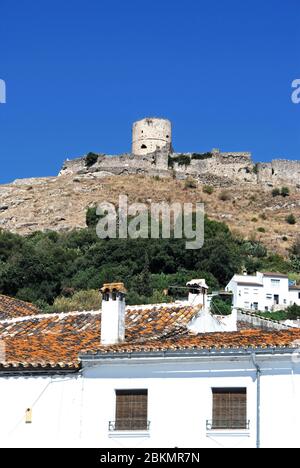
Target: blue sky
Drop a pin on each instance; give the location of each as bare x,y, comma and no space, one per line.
79,73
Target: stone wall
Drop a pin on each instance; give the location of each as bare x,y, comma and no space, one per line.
279,172
221,169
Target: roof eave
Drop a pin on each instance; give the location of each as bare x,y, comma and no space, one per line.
185,353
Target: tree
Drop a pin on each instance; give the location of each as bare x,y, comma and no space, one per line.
143,286
221,305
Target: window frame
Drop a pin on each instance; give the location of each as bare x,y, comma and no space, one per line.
229,422
130,423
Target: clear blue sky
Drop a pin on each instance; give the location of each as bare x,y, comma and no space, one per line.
78,73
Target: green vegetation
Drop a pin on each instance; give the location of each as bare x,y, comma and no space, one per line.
181,160
202,156
290,219
91,159
261,229
283,192
221,305
57,269
291,313
80,300
276,192
208,189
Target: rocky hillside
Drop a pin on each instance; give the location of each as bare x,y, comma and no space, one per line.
60,203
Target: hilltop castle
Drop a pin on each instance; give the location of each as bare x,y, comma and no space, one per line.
153,155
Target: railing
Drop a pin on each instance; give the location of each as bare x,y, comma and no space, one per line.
135,424
226,424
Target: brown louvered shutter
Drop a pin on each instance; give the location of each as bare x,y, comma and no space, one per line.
131,410
229,408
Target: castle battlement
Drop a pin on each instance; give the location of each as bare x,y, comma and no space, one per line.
152,154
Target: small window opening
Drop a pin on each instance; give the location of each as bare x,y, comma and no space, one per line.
143,147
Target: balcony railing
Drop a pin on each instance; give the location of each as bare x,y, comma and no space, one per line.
226,424
129,425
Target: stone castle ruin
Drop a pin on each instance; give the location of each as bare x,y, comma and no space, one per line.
153,155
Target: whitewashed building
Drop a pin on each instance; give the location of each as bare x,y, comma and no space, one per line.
147,378
263,291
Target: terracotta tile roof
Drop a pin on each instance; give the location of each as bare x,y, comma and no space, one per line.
12,308
56,340
234,340
59,338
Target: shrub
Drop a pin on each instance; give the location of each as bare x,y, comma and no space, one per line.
285,192
190,183
80,301
224,195
285,239
263,216
290,219
221,305
255,169
181,160
254,220
293,312
201,156
275,192
91,159
208,189
91,217
261,229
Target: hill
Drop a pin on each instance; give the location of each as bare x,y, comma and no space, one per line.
60,204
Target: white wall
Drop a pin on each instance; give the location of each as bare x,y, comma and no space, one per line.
245,295
294,297
75,411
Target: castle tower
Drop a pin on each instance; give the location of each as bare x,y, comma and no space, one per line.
151,134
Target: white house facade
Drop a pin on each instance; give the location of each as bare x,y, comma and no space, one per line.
153,378
263,292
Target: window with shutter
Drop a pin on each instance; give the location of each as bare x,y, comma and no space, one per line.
131,410
229,408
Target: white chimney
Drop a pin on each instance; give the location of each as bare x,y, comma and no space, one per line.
113,313
197,292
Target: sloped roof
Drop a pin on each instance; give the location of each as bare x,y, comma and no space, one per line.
52,341
11,308
59,338
232,340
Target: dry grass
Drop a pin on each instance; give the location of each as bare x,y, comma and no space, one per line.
60,204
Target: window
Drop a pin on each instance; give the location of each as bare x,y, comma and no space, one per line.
255,305
275,283
229,408
246,291
143,147
131,410
269,296
246,305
